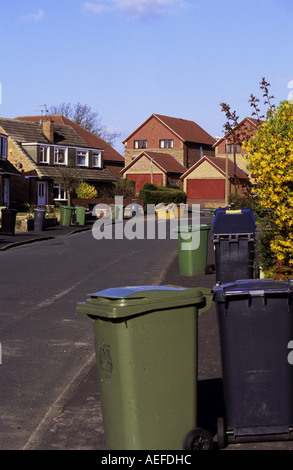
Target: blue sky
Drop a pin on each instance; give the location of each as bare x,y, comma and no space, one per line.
127,59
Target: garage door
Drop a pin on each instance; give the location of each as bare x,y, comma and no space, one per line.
143,178
206,189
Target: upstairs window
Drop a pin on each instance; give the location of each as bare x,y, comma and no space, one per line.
140,144
3,146
166,143
60,156
230,148
97,159
82,157
44,154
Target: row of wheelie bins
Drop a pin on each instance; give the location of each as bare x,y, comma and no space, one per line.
8,220
146,348
69,214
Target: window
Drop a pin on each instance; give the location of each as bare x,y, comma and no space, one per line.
3,146
81,157
44,154
166,144
59,193
230,148
60,156
140,144
97,159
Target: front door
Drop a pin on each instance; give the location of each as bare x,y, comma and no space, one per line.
42,198
6,192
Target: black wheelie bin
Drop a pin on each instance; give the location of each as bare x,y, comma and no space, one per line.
256,334
234,244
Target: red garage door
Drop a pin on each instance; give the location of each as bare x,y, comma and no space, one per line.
144,178
206,189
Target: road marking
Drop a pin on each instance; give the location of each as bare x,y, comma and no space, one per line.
51,300
36,437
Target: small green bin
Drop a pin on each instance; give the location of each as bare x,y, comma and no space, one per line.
80,215
146,351
119,211
192,249
66,215
112,211
116,211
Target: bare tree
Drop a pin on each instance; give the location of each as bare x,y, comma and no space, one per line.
69,179
239,134
83,115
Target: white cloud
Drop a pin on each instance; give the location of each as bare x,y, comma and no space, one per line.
139,9
96,8
32,17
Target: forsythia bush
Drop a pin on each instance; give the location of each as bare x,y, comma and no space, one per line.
86,191
270,158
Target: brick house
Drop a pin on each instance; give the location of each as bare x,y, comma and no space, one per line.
7,173
154,167
181,140
112,159
226,144
39,149
205,182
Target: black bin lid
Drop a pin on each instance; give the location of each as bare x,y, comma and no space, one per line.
233,221
253,288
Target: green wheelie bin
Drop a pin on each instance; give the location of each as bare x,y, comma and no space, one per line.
146,352
80,215
116,211
192,249
66,215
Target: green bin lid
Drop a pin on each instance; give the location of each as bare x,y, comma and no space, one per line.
127,301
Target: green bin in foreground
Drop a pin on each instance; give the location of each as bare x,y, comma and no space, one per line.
192,249
146,351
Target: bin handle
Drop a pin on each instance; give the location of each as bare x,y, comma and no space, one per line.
208,293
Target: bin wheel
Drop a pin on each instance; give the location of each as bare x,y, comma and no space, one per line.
221,433
198,439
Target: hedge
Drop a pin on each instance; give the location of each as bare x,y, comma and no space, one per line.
162,195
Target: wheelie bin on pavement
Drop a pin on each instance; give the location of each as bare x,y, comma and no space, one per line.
66,215
8,221
116,211
146,352
234,243
39,218
160,211
80,215
192,247
256,334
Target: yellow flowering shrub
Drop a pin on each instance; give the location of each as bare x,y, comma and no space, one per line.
270,159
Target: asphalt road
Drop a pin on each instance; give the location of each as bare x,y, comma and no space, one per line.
44,342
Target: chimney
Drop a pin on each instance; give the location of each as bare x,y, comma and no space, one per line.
48,129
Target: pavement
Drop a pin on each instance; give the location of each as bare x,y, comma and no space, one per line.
75,421
22,238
